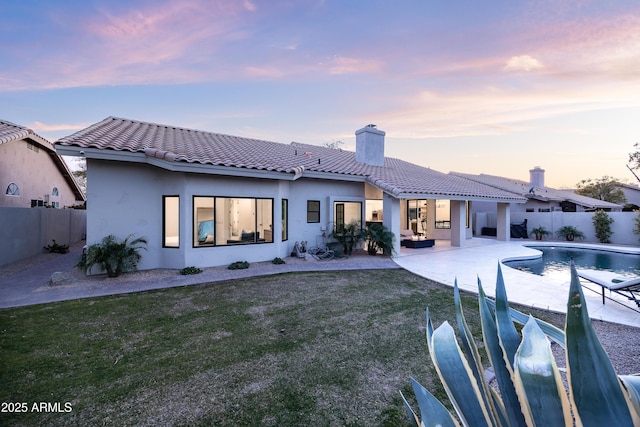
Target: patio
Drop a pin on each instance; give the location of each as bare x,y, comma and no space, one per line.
479,259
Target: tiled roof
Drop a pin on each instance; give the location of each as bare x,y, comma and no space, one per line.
525,189
396,177
10,132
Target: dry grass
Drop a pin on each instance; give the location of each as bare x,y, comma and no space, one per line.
323,348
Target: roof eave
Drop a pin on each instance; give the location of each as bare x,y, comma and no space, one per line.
201,168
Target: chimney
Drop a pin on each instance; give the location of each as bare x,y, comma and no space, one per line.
370,146
536,177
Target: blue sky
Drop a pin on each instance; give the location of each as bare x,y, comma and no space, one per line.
477,87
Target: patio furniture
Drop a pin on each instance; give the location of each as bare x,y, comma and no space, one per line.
628,288
417,243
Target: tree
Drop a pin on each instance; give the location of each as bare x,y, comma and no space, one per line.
605,188
634,159
335,144
602,223
80,173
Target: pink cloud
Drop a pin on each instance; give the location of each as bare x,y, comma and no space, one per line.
344,65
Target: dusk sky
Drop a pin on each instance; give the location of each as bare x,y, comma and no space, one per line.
494,87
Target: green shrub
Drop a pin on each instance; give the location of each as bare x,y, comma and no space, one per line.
348,236
238,265
379,238
190,270
56,248
278,260
602,223
569,232
636,220
531,391
539,232
114,256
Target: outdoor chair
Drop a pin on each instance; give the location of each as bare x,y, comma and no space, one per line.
628,288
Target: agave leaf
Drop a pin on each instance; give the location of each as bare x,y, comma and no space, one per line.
596,392
470,349
537,379
415,421
554,333
495,352
457,378
509,337
631,384
432,412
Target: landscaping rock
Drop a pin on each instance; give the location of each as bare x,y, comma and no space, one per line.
61,278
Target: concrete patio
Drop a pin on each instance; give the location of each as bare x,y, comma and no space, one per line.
479,259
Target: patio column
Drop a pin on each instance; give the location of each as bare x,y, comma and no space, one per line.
458,223
503,231
391,218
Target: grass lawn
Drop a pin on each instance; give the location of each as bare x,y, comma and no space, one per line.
322,348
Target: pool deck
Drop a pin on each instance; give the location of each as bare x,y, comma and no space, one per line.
479,258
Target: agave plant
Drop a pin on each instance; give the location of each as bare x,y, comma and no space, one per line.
114,256
531,391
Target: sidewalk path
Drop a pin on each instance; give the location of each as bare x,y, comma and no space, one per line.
31,285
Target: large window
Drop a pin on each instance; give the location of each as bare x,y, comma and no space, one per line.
223,221
443,214
285,220
313,211
417,216
345,213
171,221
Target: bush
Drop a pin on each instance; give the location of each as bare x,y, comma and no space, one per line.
238,265
570,233
278,260
539,232
56,248
114,256
531,390
348,236
379,238
602,223
636,220
190,270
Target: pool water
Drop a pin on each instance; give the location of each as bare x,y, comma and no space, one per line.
555,262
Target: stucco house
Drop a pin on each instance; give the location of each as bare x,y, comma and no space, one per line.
632,194
208,199
32,173
540,198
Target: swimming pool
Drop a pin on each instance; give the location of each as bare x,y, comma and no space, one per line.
555,261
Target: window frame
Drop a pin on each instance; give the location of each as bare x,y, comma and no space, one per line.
215,220
164,221
14,188
310,220
284,206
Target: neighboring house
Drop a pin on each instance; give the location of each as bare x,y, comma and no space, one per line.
539,197
206,199
632,194
31,173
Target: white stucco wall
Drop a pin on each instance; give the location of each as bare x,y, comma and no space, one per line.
127,198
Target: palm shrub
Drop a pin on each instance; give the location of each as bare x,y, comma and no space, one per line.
570,232
348,236
113,255
379,237
602,223
539,232
531,391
